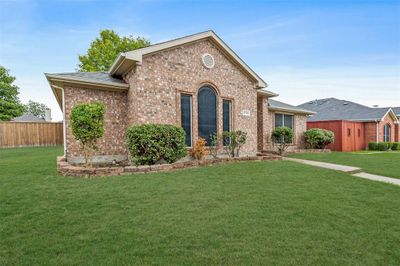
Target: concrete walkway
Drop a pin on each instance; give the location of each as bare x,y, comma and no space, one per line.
354,171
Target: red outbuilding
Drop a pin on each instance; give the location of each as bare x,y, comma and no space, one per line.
354,125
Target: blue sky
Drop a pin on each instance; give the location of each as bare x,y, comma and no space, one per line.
303,49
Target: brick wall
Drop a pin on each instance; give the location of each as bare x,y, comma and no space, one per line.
156,84
112,144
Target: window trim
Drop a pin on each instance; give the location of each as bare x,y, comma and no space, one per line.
283,119
387,132
217,102
191,114
230,116
283,123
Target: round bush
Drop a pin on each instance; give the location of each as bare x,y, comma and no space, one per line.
382,146
372,146
318,138
151,143
396,146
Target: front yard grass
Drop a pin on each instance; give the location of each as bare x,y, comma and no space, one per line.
380,163
252,213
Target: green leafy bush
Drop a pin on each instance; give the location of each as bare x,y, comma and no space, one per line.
233,141
318,138
396,146
87,122
382,146
283,137
372,146
149,144
389,145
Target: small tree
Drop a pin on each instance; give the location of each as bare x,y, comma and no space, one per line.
282,137
233,141
87,122
215,145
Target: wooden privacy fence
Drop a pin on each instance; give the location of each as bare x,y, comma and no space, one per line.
22,134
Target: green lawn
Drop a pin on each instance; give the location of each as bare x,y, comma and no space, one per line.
252,213
380,163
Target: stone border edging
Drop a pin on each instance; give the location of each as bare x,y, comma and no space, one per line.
66,169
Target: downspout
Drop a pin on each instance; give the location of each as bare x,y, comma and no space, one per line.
64,124
377,131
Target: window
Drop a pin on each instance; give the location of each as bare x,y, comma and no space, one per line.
359,132
282,120
348,132
386,133
226,117
186,117
207,113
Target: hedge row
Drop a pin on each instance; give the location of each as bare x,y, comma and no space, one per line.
384,146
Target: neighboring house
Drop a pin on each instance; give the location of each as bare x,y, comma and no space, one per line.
28,118
354,125
196,82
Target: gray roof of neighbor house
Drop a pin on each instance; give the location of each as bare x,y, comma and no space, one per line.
28,118
396,110
91,77
335,109
280,106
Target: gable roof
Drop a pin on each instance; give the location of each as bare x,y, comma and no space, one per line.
27,117
335,109
125,61
281,106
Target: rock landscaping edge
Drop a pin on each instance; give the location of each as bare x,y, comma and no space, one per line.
66,169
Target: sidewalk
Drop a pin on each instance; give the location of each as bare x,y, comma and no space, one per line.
354,171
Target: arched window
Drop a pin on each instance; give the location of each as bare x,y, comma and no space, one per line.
207,113
386,133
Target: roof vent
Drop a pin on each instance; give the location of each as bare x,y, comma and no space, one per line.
375,105
345,103
208,60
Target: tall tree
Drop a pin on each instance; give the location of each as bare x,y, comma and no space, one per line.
104,49
35,108
10,106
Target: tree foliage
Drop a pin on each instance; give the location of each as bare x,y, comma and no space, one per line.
87,122
10,106
35,108
283,137
105,49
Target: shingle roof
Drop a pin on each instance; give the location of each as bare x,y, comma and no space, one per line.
335,109
97,77
28,118
396,110
277,105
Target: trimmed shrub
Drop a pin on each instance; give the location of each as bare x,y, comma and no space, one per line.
87,123
372,146
283,137
152,143
318,138
389,145
382,146
396,146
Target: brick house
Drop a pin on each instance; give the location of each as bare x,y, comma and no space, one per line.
196,82
354,125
